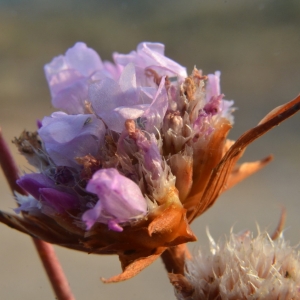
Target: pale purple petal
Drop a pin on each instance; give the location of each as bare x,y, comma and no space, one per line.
212,107
120,199
68,76
151,55
156,111
131,112
62,79
83,59
227,109
203,125
108,94
115,102
105,95
91,216
72,98
213,85
213,96
127,80
153,47
109,70
115,119
114,225
120,196
113,70
79,61
151,155
66,137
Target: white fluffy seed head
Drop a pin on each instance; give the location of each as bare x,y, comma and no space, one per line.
245,267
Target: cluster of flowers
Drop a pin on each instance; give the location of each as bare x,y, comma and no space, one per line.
137,152
128,129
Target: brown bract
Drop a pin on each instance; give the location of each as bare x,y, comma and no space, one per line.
199,183
223,173
137,245
216,169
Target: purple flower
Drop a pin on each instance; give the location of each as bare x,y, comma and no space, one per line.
214,99
32,183
120,200
138,153
47,193
116,102
125,127
68,76
67,137
213,86
150,56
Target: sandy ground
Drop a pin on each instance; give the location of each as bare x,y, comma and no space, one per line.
255,45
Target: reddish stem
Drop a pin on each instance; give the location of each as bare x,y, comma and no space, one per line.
46,252
174,258
54,270
9,167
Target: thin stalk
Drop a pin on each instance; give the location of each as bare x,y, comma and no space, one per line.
174,258
46,251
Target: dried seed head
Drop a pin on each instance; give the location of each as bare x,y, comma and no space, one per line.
242,267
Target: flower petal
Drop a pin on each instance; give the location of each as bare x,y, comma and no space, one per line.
83,59
69,136
32,183
68,75
155,113
59,201
151,55
120,199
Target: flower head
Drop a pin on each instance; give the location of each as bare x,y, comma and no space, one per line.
242,267
137,152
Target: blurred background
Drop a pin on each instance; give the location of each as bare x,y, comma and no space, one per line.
255,44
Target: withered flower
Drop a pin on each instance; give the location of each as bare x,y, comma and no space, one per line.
241,267
139,152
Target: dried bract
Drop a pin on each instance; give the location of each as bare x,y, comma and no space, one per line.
242,267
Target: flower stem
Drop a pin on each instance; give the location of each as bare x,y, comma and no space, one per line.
174,258
9,167
54,270
46,252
